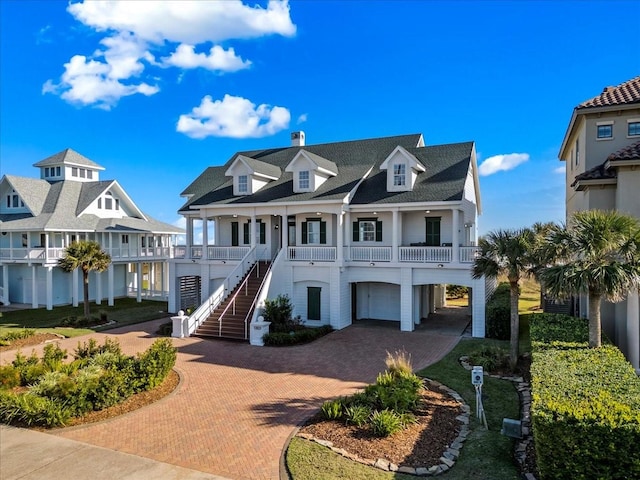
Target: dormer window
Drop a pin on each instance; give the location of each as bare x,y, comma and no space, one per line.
51,172
242,184
14,200
303,180
399,174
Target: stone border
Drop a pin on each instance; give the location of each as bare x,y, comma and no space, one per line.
447,460
524,393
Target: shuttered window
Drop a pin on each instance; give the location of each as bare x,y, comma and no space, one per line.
367,230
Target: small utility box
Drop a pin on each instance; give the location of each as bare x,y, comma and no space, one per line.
511,428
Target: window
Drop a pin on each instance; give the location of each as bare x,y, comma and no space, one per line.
117,204
125,238
633,129
432,235
82,172
46,171
605,131
74,171
108,202
367,230
577,152
14,201
235,241
99,202
25,240
303,179
314,231
242,184
399,174
57,171
89,174
313,303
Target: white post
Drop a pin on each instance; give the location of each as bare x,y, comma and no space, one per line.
110,285
205,238
633,329
98,288
34,287
74,288
139,282
5,284
347,237
406,300
252,231
189,236
49,273
394,238
455,238
340,237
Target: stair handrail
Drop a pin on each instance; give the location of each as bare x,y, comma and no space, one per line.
232,302
207,307
255,298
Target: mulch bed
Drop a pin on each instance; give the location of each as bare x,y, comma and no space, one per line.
31,341
419,445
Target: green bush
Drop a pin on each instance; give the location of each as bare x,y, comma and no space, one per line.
9,376
490,358
278,312
298,337
9,337
91,348
498,313
29,409
586,404
386,422
332,409
357,415
456,291
153,366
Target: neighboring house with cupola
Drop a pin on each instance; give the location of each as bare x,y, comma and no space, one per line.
601,151
365,229
39,217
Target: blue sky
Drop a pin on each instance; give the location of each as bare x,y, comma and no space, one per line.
157,91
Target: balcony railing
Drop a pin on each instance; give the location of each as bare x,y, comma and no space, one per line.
469,254
425,254
227,253
370,254
40,255
312,254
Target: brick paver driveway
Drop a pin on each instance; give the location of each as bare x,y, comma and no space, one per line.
237,404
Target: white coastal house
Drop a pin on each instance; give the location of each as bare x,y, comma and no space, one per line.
39,217
366,229
601,151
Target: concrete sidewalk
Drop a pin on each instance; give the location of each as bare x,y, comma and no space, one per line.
28,454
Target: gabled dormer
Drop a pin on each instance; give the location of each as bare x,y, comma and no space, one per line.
69,165
107,200
402,170
250,175
310,171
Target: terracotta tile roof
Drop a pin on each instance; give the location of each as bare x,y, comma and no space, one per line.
630,152
625,93
596,173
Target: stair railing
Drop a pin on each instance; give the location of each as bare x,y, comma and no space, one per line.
255,298
232,302
205,309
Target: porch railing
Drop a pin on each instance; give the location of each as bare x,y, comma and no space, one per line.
226,253
468,254
52,254
312,254
425,254
370,254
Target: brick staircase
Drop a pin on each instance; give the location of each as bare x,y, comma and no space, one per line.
233,321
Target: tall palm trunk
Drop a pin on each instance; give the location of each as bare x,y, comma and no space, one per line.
515,325
595,325
85,291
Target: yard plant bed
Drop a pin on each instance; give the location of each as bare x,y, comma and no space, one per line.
31,341
418,445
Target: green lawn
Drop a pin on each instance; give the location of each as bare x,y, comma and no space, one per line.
126,311
486,455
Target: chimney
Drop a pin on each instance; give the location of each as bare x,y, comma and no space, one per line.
297,139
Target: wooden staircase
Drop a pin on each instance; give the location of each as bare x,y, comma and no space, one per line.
228,319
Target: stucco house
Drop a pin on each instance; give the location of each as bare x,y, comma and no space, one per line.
601,150
39,217
349,230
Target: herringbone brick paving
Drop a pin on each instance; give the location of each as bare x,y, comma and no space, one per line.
236,404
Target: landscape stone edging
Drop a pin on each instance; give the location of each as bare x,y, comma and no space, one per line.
524,393
447,460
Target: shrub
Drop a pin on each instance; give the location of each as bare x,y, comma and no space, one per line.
278,312
30,368
586,404
385,423
332,409
498,313
490,358
153,366
298,337
52,357
399,362
91,348
165,329
14,335
357,415
29,409
456,291
9,376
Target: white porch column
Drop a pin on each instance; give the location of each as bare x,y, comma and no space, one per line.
98,288
34,286
173,293
347,237
478,307
252,231
5,284
406,300
340,237
455,238
189,236
152,277
139,282
216,231
74,288
110,285
162,280
205,237
633,330
49,274
394,238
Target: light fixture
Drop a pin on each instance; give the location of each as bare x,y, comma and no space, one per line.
372,264
427,211
235,215
440,265
375,213
277,227
318,213
310,263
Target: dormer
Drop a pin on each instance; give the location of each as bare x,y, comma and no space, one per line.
69,165
402,170
107,200
250,175
310,171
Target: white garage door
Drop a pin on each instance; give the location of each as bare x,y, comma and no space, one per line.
380,301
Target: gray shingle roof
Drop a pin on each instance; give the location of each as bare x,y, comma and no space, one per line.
261,167
446,171
322,162
625,93
32,191
68,157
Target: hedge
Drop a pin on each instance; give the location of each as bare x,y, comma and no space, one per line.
585,404
297,337
498,313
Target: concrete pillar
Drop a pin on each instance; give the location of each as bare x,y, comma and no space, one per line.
75,293
633,330
34,286
110,280
139,282
406,300
478,307
49,274
395,241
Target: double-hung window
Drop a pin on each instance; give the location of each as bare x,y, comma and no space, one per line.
367,230
605,131
303,180
242,184
399,175
633,129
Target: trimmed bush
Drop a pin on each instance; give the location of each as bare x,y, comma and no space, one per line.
297,337
498,313
490,358
154,365
386,422
586,404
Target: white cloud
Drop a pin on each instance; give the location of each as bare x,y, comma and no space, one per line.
218,59
302,118
233,117
183,21
560,170
503,162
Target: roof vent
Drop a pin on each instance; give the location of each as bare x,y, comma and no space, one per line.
297,139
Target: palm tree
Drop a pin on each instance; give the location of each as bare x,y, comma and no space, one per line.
506,252
599,256
89,257
540,255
